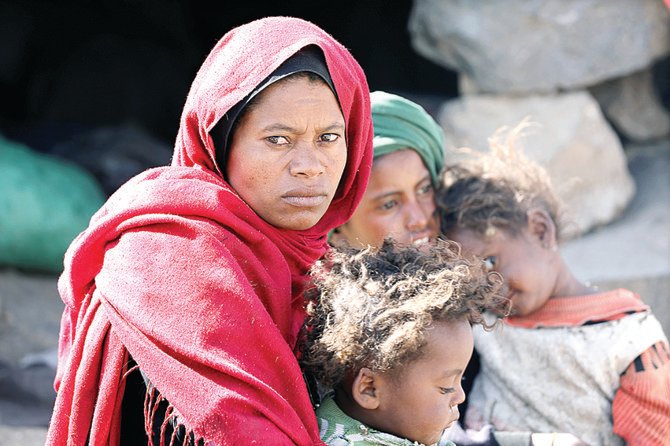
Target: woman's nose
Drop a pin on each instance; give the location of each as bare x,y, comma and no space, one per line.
417,216
306,161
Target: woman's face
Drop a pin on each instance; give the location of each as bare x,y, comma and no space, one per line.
288,153
399,203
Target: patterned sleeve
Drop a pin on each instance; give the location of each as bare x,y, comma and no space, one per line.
641,407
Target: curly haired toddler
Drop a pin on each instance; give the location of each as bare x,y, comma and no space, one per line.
391,335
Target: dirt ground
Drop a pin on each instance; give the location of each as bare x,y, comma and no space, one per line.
30,311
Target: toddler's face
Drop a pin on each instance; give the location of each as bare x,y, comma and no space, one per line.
529,269
422,400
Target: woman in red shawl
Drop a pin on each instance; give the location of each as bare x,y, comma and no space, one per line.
195,272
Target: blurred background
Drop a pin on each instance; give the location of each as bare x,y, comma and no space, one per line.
91,94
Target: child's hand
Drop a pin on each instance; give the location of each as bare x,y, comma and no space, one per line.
556,439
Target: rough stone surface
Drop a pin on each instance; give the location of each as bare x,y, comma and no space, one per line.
540,45
632,105
30,311
634,251
25,436
579,149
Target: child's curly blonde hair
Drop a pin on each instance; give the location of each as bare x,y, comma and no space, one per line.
496,189
374,306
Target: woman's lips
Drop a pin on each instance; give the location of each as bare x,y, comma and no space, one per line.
305,198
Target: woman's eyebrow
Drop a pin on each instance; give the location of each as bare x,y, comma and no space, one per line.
279,127
287,128
385,195
334,126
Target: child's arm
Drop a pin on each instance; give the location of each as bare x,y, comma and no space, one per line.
641,407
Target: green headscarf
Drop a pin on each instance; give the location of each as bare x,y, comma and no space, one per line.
400,124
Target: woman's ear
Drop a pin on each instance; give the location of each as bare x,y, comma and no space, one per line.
542,227
364,389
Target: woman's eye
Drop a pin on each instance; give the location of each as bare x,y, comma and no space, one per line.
446,390
490,262
388,205
425,189
329,137
277,140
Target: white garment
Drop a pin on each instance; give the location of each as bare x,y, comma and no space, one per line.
557,379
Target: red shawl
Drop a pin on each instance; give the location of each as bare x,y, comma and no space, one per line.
177,271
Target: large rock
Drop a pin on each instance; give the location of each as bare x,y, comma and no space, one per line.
540,45
579,149
30,313
631,103
634,252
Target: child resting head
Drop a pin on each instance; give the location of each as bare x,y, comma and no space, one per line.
391,334
501,207
603,351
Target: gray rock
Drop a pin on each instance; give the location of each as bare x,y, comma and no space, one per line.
574,142
540,45
634,251
30,312
25,436
631,103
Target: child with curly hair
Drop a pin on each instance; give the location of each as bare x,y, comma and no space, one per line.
569,358
391,335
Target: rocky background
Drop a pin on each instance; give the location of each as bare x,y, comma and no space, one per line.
91,95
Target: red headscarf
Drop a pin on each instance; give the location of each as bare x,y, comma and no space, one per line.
177,271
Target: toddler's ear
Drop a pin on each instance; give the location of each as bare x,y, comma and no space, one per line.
542,227
364,389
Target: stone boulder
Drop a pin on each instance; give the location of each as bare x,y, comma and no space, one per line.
573,141
632,105
634,251
30,313
540,45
